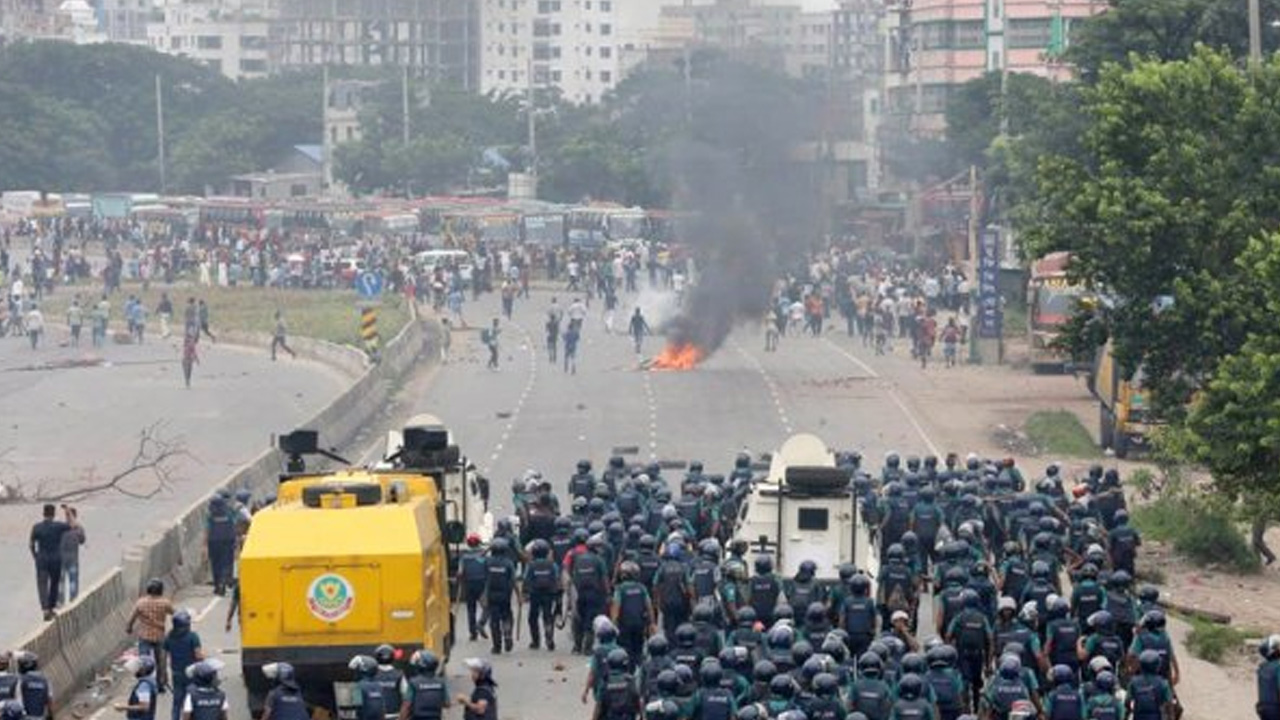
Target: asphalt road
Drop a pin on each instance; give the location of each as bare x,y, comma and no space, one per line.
531,414
71,417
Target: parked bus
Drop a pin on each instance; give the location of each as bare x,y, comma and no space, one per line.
1051,300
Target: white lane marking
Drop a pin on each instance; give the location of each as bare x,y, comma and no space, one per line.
528,348
893,395
213,602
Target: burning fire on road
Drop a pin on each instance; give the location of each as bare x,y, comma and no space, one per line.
682,356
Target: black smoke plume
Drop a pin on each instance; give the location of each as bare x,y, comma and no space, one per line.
747,208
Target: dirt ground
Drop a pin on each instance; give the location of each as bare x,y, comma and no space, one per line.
982,408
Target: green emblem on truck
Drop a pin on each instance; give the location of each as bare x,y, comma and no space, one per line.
330,597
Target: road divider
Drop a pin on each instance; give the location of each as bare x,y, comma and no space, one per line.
89,634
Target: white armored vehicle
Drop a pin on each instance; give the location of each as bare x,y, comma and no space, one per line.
805,509
467,504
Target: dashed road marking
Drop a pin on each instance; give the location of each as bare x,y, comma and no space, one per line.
769,382
891,390
532,355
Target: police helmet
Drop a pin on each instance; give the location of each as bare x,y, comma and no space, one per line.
942,656
584,466
657,646
1154,620
860,585
606,632
709,549
763,564
363,665
1119,579
1057,606
970,598
892,460
1100,664
1101,621
618,660
499,545
710,673
893,489
846,571
145,666
870,664
580,536
1006,604
540,548
1149,594
928,494
628,570
896,553
1120,517
801,651
910,686
815,613
695,466
704,611
792,714
1010,667
781,636
596,541
782,686
955,576
26,661
617,463
835,648
746,616
205,674
1040,570
764,671
563,524
1149,661
596,504
648,543
808,569
1105,681
1061,675
425,661
1269,648
384,654
182,619
686,635
684,674
880,648
825,684
914,662
1029,614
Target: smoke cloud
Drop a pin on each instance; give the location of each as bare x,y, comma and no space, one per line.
747,209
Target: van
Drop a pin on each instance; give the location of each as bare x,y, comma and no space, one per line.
428,260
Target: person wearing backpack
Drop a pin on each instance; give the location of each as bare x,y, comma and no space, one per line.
1150,696
542,585
632,610
671,589
973,638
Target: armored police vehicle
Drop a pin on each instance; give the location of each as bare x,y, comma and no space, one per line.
466,492
805,509
345,561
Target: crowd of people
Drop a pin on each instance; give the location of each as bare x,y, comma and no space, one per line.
1035,612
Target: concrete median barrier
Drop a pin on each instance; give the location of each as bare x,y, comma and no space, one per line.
88,635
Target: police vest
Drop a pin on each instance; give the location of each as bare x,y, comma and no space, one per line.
1159,642
560,546
222,526
671,584
542,577
474,570
370,700
288,704
1122,608
1110,647
872,698
1064,635
1004,693
1269,684
585,572
8,686
649,563
926,523
971,638
206,703
946,691
135,698
1104,707
824,709
1088,599
895,578
801,595
34,688
913,710
1144,692
500,580
1067,704
582,485
628,503
717,704
859,614
389,678
429,696
764,596
1016,578
633,605
703,579
619,697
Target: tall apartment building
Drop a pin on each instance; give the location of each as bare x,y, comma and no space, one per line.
232,38
569,45
435,39
936,45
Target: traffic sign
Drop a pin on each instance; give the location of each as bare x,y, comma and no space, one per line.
369,285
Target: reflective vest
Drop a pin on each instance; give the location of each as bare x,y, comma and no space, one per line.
429,697
206,702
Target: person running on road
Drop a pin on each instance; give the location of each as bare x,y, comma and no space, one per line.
279,338
639,328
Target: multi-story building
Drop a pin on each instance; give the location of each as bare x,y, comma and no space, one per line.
232,39
125,20
435,39
571,46
936,45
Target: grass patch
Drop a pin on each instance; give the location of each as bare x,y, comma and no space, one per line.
1204,532
322,314
1015,320
1059,432
1213,642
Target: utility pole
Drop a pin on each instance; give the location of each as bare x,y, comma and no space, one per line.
1255,33
532,114
164,185
404,103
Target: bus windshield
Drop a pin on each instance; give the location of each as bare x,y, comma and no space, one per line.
1054,305
625,228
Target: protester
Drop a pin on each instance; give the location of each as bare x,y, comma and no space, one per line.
46,544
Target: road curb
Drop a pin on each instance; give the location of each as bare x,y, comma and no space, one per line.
88,635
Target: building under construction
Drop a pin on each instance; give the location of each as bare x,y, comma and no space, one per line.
436,39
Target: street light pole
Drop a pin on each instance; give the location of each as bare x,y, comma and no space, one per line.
1255,33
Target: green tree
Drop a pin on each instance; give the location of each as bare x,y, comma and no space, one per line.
1166,30
1177,175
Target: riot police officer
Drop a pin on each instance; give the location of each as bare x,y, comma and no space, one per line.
632,610
390,678
205,701
619,698
368,689
33,687
473,569
426,693
542,584
142,698
589,577
500,584
284,699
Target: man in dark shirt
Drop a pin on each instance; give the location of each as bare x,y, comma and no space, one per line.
46,550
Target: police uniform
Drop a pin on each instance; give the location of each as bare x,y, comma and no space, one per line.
474,571
587,572
426,696
500,583
634,616
392,682
143,694
542,582
206,703
286,703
